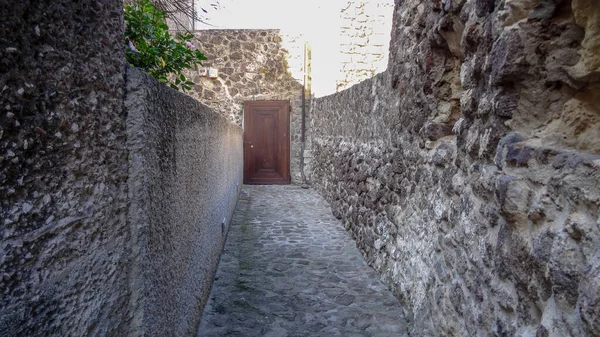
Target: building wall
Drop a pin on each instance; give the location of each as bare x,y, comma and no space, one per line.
106,225
469,171
253,65
184,177
64,238
364,40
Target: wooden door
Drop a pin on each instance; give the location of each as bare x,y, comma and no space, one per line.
267,142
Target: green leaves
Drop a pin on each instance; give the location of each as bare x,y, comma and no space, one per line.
148,45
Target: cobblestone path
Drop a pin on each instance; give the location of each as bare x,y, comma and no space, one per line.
290,269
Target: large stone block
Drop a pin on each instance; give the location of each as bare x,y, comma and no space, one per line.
64,237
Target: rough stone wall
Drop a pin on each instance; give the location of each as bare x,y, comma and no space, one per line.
69,264
469,171
185,174
63,169
364,40
253,65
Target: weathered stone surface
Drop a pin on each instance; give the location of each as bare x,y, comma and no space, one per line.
443,154
257,64
587,16
435,131
178,150
63,169
589,297
495,224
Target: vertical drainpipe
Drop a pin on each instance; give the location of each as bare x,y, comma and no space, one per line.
193,18
303,132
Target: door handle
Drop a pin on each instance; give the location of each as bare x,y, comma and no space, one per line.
251,145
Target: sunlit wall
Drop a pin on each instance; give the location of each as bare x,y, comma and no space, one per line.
328,26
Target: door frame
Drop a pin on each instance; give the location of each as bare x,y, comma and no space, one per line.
286,143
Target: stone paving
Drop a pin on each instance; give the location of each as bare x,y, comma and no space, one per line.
289,269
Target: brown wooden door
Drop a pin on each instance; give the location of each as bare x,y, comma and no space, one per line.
267,142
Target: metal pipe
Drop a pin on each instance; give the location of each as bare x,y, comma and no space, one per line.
303,131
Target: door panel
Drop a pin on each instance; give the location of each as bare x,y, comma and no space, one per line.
267,142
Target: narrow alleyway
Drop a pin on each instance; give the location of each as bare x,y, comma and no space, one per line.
290,269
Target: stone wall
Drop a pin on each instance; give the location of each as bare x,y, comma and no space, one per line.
469,171
184,177
63,169
93,240
253,65
364,40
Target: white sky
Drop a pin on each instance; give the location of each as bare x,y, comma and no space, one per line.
264,14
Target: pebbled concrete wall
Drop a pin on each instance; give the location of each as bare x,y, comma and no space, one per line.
469,171
63,169
184,178
107,227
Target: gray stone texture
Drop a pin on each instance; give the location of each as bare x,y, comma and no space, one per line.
364,40
469,171
184,177
103,229
290,269
263,64
63,169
